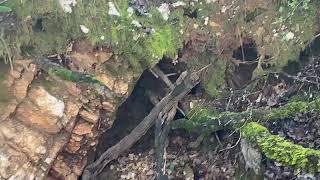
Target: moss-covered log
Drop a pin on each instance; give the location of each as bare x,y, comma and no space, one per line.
209,121
281,150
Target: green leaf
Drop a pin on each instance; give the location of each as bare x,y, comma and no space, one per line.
4,9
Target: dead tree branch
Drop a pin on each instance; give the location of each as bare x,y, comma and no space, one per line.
182,87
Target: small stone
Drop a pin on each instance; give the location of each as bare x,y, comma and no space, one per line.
108,106
131,157
289,36
224,9
206,21
73,146
84,29
150,172
120,87
164,10
76,137
91,117
113,10
178,3
67,5
82,128
151,152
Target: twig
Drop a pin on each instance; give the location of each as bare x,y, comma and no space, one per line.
160,74
161,136
233,145
299,79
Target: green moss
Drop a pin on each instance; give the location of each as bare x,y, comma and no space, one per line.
281,150
297,20
68,75
163,42
204,119
118,32
293,108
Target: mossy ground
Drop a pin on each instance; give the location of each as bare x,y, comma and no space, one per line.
44,28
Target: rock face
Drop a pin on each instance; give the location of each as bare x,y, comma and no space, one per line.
34,129
49,126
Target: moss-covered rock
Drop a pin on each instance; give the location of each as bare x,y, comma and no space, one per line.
281,150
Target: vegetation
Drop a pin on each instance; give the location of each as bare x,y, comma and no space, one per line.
47,29
209,121
281,150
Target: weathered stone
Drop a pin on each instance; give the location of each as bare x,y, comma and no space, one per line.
60,167
84,57
73,146
78,168
108,106
106,80
120,87
72,88
41,110
70,115
91,117
28,171
103,56
8,155
76,137
46,102
83,128
21,85
28,113
30,142
6,109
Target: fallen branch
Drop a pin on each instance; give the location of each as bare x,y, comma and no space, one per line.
182,87
202,119
160,74
281,150
162,130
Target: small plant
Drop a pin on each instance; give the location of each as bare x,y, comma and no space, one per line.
289,8
5,9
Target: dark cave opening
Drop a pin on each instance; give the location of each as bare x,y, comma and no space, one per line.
247,55
137,106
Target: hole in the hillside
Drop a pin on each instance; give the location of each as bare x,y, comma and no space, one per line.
266,64
198,89
190,13
137,107
311,51
247,53
38,26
